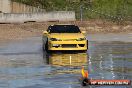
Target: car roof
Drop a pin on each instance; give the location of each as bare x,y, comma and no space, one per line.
63,24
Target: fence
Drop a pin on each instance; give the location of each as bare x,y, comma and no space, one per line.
37,17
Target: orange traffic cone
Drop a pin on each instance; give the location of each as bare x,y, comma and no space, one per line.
84,73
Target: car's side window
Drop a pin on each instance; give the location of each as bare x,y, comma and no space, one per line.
49,28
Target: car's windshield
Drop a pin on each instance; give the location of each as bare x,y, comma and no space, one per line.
63,29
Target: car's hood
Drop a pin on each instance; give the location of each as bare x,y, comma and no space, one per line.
66,35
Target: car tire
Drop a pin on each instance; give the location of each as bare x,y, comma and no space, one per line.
87,44
46,47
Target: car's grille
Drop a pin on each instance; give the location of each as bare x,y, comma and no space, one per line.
69,46
69,39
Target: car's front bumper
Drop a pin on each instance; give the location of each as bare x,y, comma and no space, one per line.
67,45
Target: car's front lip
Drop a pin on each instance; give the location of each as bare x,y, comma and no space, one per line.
68,45
58,39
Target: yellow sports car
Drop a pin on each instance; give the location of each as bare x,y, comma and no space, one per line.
64,37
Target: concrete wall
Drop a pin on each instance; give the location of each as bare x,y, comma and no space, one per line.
5,6
38,17
23,8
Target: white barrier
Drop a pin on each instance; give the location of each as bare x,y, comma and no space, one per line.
37,17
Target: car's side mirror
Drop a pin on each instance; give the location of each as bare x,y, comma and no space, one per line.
83,32
45,32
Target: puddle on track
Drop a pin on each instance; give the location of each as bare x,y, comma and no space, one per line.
23,64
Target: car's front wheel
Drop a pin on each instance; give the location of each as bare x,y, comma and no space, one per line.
46,47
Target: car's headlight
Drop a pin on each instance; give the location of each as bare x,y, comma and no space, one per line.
55,39
81,39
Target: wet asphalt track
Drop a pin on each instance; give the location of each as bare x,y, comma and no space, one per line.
23,64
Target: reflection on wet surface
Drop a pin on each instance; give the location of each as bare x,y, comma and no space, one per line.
114,59
67,62
62,59
23,64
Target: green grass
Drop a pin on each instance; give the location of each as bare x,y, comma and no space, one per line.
106,9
